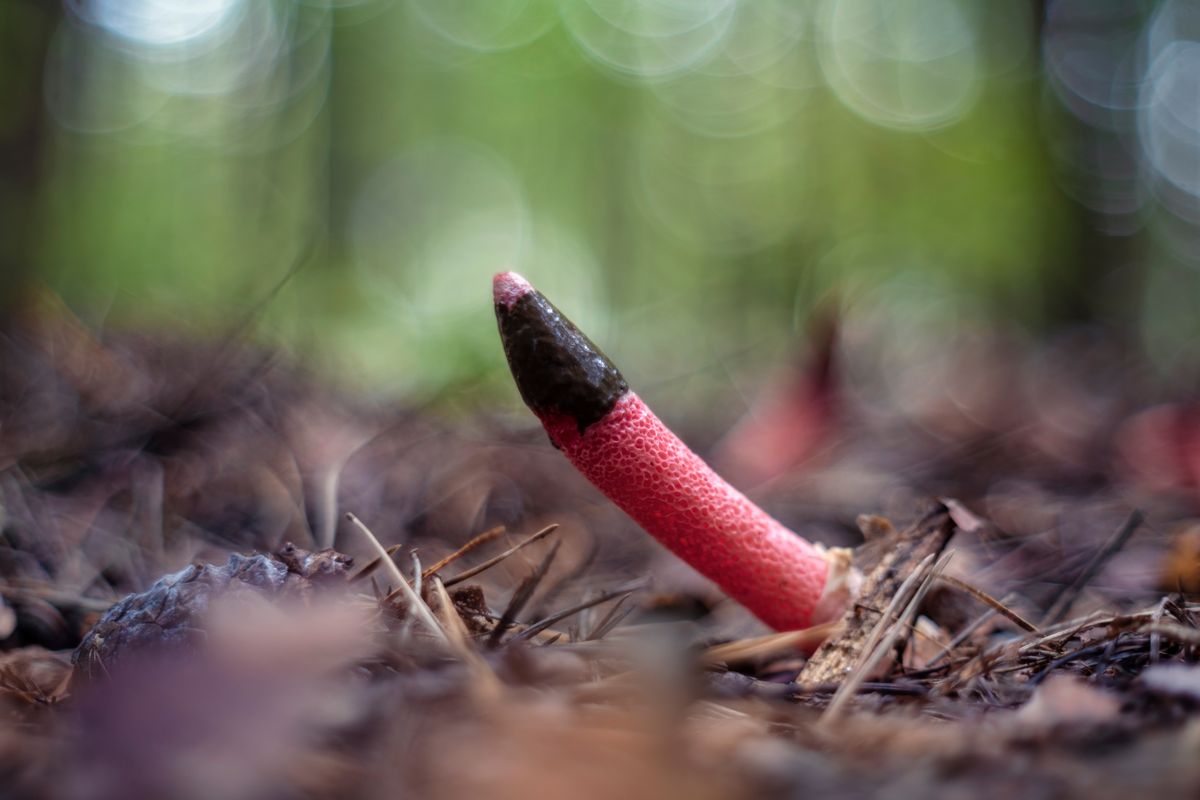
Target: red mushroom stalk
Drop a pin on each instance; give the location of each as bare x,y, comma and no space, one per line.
618,444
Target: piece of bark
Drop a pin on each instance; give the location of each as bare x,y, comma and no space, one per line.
882,578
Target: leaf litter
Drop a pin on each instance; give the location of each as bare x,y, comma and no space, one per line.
484,624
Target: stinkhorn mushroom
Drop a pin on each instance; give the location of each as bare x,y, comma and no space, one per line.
618,444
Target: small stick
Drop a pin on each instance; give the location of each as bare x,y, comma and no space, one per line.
568,578
541,625
882,582
1067,596
415,603
770,645
547,636
417,574
486,682
901,598
451,621
1082,652
476,541
521,596
1072,627
914,589
965,633
404,627
374,563
1176,632
615,616
988,600
327,530
491,562
1155,636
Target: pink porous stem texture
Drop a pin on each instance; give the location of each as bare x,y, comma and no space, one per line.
639,464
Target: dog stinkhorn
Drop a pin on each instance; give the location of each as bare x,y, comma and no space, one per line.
618,444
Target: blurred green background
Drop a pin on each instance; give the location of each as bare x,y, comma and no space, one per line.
688,179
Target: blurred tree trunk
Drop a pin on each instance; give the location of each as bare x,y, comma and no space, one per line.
1102,281
26,27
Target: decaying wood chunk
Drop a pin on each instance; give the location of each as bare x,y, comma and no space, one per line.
885,566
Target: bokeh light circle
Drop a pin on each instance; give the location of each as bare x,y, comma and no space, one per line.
1090,51
904,64
727,106
1169,118
159,23
487,25
648,39
761,35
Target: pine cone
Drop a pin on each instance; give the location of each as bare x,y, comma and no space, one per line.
170,614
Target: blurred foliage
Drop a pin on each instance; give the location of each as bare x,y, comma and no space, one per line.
689,179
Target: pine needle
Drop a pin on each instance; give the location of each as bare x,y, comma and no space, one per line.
909,596
415,603
475,542
769,645
491,562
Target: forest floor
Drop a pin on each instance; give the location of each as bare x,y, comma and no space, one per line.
524,639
